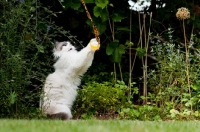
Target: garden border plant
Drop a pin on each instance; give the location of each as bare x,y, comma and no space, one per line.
27,35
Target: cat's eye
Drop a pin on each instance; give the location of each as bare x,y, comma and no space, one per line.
65,44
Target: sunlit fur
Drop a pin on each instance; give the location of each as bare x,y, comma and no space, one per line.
60,86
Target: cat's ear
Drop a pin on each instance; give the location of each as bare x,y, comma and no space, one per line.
56,45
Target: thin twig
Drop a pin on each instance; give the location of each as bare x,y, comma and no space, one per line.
130,71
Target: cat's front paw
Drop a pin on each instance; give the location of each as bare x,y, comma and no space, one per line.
94,45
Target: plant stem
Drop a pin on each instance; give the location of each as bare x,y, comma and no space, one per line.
186,61
144,63
120,70
130,71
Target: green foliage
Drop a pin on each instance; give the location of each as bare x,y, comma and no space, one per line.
118,17
115,50
27,33
146,112
141,52
101,98
169,80
26,37
102,13
102,3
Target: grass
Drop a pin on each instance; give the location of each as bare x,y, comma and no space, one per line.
97,126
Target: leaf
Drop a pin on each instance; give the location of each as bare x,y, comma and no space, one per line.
40,48
101,26
12,97
184,100
102,13
97,11
118,17
121,49
102,3
111,47
194,87
67,4
115,50
141,52
117,55
89,1
75,6
129,43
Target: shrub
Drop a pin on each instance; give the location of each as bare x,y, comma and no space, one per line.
101,99
169,84
26,35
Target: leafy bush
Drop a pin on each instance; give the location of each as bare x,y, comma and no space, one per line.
26,35
169,84
102,99
145,112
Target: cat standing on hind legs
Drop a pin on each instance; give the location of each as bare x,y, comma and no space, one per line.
60,89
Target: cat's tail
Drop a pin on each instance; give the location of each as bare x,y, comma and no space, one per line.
58,111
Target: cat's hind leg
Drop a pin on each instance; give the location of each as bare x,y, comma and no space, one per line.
61,115
59,111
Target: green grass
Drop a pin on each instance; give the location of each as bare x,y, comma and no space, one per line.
98,126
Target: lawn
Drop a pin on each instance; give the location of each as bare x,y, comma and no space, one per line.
97,126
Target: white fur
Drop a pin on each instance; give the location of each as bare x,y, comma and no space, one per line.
60,87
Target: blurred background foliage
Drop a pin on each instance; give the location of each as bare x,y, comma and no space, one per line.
29,28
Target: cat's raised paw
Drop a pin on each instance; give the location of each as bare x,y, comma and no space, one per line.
94,44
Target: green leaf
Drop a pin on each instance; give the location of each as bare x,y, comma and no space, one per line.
194,87
115,50
129,43
111,47
184,100
121,49
75,6
118,17
102,13
141,52
40,48
117,54
101,26
67,3
97,11
89,1
116,57
102,3
12,97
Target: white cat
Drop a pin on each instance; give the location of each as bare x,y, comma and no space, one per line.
60,89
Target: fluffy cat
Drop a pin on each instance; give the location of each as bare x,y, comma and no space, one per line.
60,89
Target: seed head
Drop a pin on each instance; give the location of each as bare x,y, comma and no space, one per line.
183,13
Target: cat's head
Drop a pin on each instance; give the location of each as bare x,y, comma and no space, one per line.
63,47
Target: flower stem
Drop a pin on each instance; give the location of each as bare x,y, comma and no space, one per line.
186,61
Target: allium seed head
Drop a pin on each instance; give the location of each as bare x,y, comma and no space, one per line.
183,13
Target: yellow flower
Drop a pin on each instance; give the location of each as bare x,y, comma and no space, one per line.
183,13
